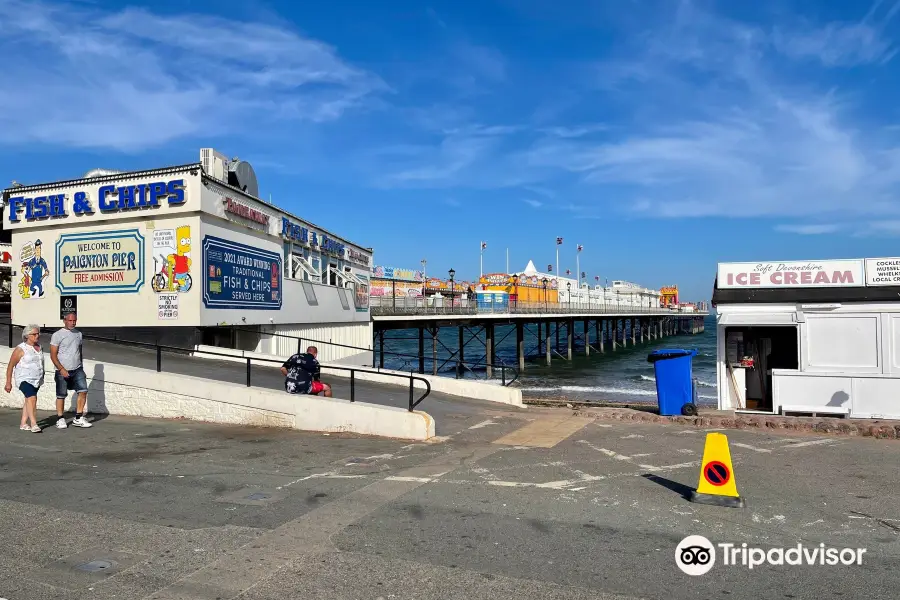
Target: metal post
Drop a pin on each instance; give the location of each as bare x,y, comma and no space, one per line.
547,345
434,334
410,391
462,347
598,329
540,337
10,333
158,357
248,372
557,335
570,337
613,328
421,350
587,337
520,345
489,347
381,349
352,385
394,294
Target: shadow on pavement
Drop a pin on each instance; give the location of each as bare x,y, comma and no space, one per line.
678,488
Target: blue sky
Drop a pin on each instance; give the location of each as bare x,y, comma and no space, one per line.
663,136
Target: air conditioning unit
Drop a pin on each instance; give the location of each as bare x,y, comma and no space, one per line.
215,164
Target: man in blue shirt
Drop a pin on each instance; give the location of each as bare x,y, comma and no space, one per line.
302,373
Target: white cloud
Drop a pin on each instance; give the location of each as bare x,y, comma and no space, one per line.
836,44
809,229
533,203
133,79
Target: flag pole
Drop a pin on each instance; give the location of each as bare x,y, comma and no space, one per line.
507,261
557,259
481,263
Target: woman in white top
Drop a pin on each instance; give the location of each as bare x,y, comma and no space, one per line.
26,366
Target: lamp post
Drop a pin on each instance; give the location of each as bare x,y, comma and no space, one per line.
544,283
569,294
424,276
452,274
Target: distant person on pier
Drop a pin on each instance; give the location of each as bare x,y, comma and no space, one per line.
302,372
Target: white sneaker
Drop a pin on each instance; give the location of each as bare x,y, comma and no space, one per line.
61,423
81,422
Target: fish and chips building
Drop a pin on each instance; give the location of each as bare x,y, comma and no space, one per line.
809,337
185,253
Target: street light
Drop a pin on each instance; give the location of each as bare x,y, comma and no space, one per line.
569,293
452,273
544,282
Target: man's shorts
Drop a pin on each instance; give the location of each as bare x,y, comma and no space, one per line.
316,387
76,380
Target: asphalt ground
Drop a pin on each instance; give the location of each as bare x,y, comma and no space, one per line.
505,505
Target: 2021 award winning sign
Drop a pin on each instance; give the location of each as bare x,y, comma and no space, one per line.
102,262
240,277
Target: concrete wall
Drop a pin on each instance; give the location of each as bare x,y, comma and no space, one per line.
121,390
466,388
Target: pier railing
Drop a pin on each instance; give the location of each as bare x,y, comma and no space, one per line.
398,306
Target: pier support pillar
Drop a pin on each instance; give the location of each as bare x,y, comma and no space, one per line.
570,338
598,329
434,337
540,337
613,327
520,345
587,338
633,332
421,350
556,324
547,345
659,329
461,356
489,347
643,330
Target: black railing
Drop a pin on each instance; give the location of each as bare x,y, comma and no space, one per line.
160,348
461,365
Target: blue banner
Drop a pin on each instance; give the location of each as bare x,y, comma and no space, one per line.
240,277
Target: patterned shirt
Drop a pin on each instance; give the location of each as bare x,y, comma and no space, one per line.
302,370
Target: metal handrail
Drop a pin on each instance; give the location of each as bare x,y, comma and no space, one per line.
413,402
459,366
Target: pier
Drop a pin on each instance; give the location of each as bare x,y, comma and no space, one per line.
541,331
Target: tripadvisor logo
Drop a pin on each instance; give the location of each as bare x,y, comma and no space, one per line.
696,555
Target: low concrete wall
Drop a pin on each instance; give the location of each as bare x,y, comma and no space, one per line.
465,388
122,390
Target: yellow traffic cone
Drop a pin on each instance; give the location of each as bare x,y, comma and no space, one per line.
717,485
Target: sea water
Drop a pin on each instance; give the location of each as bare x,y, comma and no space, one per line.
622,376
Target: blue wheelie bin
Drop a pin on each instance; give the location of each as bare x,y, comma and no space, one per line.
674,381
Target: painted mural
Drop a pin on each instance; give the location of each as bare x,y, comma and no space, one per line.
172,260
34,270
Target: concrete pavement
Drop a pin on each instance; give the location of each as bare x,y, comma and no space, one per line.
507,504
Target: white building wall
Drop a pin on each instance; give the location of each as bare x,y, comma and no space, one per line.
131,303
849,357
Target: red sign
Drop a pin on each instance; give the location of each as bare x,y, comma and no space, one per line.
5,257
242,210
716,473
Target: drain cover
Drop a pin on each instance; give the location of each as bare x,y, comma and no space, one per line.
257,496
95,566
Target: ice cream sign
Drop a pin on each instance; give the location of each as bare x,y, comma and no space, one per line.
826,273
104,262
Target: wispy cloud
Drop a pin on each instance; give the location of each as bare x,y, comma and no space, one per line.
533,203
809,229
836,44
134,79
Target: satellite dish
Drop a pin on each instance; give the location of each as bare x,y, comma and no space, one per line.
242,176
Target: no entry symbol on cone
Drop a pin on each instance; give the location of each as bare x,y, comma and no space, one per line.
716,473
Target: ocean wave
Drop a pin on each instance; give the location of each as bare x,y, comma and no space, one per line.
702,397
706,384
646,378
